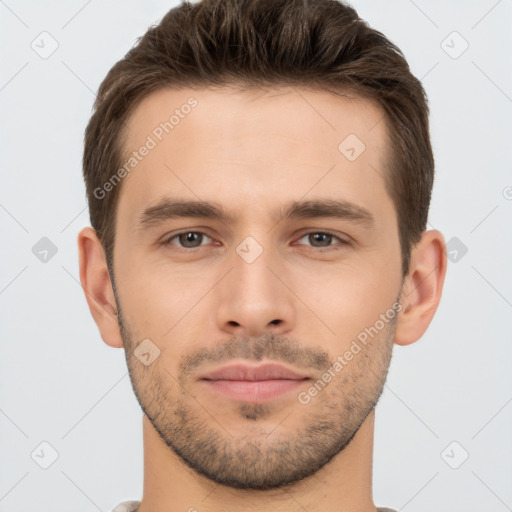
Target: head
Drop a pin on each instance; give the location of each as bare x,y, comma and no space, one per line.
259,176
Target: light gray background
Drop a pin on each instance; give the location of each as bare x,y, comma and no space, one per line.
61,384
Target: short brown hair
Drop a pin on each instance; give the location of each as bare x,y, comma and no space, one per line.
319,44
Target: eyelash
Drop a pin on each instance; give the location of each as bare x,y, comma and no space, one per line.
167,241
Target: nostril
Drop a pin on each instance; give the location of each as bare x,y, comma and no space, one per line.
276,322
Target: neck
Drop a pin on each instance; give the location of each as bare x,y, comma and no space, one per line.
344,484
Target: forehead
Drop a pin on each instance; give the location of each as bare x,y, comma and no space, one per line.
269,145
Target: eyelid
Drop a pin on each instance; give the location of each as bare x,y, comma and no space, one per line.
166,240
342,240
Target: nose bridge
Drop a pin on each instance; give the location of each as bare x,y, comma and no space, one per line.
252,298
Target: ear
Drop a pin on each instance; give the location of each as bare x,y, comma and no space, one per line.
422,288
97,287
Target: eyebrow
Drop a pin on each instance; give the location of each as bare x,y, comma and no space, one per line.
168,208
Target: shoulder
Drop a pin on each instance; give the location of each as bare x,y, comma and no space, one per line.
130,506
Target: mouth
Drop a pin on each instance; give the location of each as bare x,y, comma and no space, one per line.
255,384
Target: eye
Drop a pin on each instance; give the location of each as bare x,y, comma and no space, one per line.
187,239
322,239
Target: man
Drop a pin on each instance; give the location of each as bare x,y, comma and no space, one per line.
259,175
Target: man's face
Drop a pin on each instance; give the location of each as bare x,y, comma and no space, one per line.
267,283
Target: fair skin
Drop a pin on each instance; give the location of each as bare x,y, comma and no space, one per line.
302,302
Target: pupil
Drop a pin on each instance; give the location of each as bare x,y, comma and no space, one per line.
323,238
190,238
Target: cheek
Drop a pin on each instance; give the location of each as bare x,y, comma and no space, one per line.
162,295
173,309
347,299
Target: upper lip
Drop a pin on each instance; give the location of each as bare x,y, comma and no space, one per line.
267,371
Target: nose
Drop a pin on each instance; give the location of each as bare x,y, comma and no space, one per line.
253,300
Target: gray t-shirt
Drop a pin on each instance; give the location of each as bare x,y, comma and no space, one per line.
131,506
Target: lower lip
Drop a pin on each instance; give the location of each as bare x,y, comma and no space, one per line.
254,391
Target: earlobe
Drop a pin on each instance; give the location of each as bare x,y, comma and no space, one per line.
422,288
97,287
